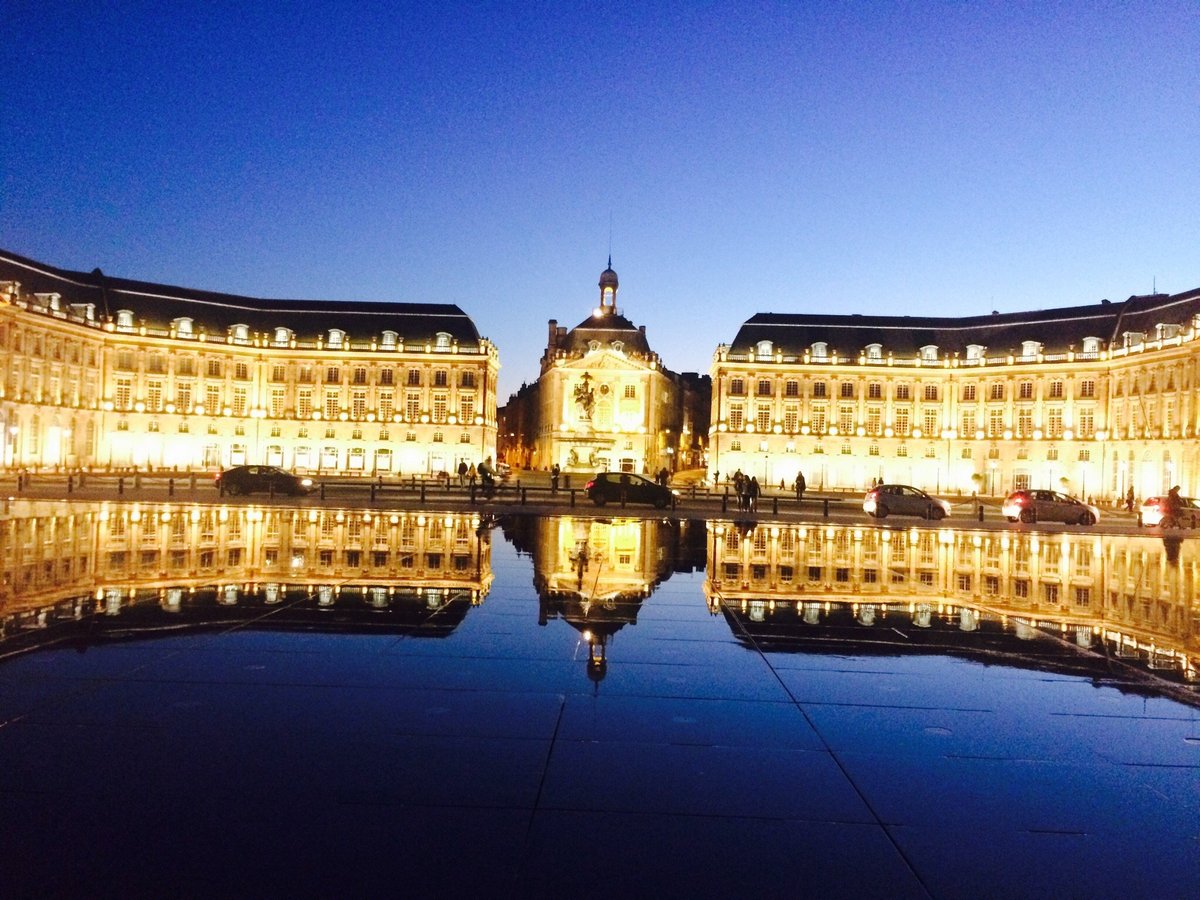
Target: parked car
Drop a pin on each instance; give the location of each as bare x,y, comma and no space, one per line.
606,487
248,479
903,500
1155,508
1048,506
503,471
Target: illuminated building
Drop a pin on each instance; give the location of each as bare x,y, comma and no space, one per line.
604,401
1096,399
1133,594
107,372
107,557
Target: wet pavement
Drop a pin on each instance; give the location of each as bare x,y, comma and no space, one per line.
278,703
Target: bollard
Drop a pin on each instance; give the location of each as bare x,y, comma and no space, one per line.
322,490
572,497
980,512
775,506
170,487
524,495
70,483
693,490
1139,519
137,481
192,481
825,510
121,484
472,494
422,493
725,501
372,492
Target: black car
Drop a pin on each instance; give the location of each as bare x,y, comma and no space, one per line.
609,487
265,479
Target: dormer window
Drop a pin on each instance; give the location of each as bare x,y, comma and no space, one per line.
764,349
975,352
1166,330
442,343
183,327
1030,348
337,337
618,346
240,333
929,353
820,350
1134,338
593,346
388,340
874,351
124,320
283,337
85,311
1091,345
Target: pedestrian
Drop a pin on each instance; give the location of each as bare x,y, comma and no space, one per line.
555,471
1129,499
800,486
462,472
471,475
752,494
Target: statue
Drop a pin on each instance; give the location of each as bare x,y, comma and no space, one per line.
585,397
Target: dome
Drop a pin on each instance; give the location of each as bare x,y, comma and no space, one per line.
608,278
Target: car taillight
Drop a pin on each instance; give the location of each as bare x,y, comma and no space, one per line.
588,486
873,495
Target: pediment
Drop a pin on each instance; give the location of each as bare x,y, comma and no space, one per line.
606,360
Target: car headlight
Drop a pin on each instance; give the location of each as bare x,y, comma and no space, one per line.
306,482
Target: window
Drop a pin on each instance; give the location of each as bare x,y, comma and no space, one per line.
820,350
763,418
386,376
1087,388
1056,390
359,376
846,390
1030,348
241,371
903,392
968,392
737,387
902,423
212,368
735,417
333,375
791,389
975,352
439,407
630,392
388,340
125,360
442,341
277,402
240,333
331,404
440,378
931,392
874,391
278,373
358,404
467,379
819,389
764,387
929,353
1025,390
996,390
386,405
414,377
337,337
763,349
304,403
283,337
183,327
1091,345
874,351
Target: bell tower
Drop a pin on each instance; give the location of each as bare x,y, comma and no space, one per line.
608,290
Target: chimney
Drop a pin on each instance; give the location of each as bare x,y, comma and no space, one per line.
553,332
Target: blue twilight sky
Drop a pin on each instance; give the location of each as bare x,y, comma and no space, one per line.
921,158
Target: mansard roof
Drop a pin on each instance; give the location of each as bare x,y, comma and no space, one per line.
157,305
1056,329
611,326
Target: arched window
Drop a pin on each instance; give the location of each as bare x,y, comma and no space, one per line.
183,327
283,336
593,346
820,350
443,341
388,341
240,333
124,320
337,337
874,351
764,349
1091,345
929,353
975,352
618,346
1030,348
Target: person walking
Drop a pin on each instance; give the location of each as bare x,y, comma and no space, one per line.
555,471
800,486
462,472
1129,499
752,494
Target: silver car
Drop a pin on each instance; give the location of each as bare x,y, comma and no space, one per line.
903,500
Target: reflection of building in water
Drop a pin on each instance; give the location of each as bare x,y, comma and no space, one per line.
1132,595
67,560
595,573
